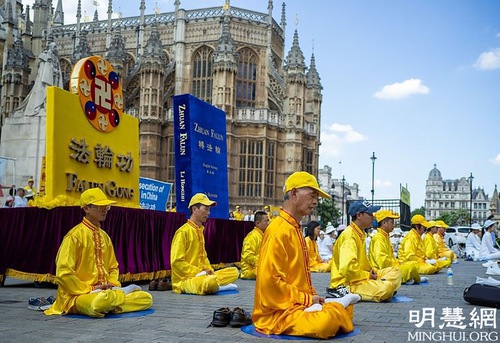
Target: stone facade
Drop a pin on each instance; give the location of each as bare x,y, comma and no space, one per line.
452,195
231,57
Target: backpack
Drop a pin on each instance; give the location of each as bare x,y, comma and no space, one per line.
483,295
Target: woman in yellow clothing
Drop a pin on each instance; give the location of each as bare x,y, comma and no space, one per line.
381,253
191,269
284,294
316,263
412,246
87,269
251,246
431,248
444,251
350,265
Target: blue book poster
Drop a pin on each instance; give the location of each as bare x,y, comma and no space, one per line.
200,154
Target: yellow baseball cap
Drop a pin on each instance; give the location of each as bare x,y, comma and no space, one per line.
31,180
382,214
200,198
95,196
432,223
440,223
420,219
304,179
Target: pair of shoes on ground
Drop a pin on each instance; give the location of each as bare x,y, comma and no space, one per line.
40,304
236,318
339,292
493,270
490,263
163,284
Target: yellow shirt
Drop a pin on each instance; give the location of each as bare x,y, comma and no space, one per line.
381,253
312,251
85,258
411,248
431,247
441,244
284,283
250,253
238,215
187,254
349,261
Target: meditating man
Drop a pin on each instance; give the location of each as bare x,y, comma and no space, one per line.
251,246
87,270
191,269
351,270
286,301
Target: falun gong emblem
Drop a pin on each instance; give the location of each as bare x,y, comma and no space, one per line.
100,92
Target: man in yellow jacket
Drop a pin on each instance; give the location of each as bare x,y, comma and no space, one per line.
412,246
381,253
431,247
286,301
251,246
191,269
87,269
350,266
444,250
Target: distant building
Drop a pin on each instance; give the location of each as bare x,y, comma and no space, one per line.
453,195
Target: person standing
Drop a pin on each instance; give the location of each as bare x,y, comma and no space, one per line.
286,301
237,214
251,246
351,270
19,199
191,269
87,269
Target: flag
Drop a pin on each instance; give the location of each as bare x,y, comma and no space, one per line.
405,196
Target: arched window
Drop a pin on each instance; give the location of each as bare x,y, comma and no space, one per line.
246,79
202,74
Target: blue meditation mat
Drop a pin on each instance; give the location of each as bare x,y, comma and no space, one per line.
115,315
423,283
250,329
234,291
400,299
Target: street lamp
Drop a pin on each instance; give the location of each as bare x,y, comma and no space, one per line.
343,201
373,158
470,205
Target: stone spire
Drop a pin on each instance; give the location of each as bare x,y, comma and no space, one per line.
154,46
108,26
225,55
28,22
283,16
96,15
116,49
82,50
59,14
16,57
78,22
313,79
142,21
295,58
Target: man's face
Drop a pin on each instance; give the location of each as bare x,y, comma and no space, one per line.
263,223
96,213
201,213
306,199
388,225
364,220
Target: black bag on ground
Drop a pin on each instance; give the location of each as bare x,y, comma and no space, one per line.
483,295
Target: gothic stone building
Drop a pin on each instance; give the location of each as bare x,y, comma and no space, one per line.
230,57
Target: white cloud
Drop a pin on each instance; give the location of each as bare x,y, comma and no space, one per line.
488,60
335,136
400,90
383,184
496,160
498,35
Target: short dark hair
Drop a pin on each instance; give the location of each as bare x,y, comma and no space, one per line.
310,229
258,216
198,205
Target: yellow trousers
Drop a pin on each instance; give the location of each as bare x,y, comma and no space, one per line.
409,271
382,289
426,268
209,284
449,254
332,319
249,274
115,301
321,267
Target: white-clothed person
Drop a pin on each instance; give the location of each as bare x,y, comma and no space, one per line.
326,246
473,243
488,250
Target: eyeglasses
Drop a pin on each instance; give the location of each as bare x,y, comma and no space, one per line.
102,207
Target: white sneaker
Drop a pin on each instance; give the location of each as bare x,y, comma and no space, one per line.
493,271
409,282
424,279
129,289
488,263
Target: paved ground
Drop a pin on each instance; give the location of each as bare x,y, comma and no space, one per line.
184,318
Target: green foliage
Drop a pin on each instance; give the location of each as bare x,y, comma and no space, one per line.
420,210
453,218
327,212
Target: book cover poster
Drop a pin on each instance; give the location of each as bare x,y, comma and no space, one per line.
200,154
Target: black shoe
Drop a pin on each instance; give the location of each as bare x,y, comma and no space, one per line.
221,317
339,292
165,284
240,318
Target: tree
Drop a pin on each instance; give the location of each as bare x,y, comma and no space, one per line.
452,218
327,212
420,210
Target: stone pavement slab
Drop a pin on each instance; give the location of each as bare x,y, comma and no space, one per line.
184,318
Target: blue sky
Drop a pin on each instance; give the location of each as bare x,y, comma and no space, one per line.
416,81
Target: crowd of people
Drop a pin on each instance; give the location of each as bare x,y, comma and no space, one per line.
21,197
277,254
